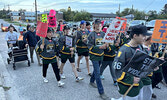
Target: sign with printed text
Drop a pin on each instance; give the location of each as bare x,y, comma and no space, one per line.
160,32
112,31
44,18
141,64
41,29
124,25
69,41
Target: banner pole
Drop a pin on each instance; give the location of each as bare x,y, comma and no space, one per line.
128,90
164,51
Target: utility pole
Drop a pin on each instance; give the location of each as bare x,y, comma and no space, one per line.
36,11
119,9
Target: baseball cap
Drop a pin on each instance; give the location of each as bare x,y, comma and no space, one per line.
82,22
97,21
87,23
139,29
66,27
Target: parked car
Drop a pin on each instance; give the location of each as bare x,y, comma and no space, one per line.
4,27
150,25
137,22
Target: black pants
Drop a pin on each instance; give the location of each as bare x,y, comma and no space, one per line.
164,71
156,78
55,69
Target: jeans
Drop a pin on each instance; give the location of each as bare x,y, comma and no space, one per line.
96,76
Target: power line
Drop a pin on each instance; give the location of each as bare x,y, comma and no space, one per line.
149,4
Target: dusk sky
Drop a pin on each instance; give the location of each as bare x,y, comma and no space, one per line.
97,6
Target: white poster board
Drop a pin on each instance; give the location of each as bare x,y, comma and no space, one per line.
113,30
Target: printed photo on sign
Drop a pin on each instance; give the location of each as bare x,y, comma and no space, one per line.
69,41
44,18
142,64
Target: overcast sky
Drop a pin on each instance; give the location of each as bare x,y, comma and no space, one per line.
97,6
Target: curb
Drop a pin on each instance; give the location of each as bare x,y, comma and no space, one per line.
2,91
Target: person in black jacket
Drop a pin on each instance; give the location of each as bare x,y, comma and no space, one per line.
48,50
30,38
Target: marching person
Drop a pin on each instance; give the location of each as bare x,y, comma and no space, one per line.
147,85
21,29
88,27
96,51
67,53
82,48
48,49
124,55
30,39
109,55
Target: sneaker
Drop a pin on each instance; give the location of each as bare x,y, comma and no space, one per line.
60,83
45,80
81,61
115,83
78,69
62,76
102,77
154,96
40,64
93,85
79,79
104,96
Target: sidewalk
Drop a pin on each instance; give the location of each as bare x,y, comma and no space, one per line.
2,91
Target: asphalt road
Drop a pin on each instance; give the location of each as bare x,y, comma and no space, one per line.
27,84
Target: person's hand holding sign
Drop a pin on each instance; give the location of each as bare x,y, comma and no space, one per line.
136,80
41,47
104,46
84,40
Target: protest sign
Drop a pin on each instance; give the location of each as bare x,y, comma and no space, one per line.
41,29
44,18
69,41
124,25
141,64
160,32
52,18
112,31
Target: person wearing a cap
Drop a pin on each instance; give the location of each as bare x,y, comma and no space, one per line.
60,25
82,48
67,53
30,39
96,52
138,35
147,84
48,50
88,27
57,33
